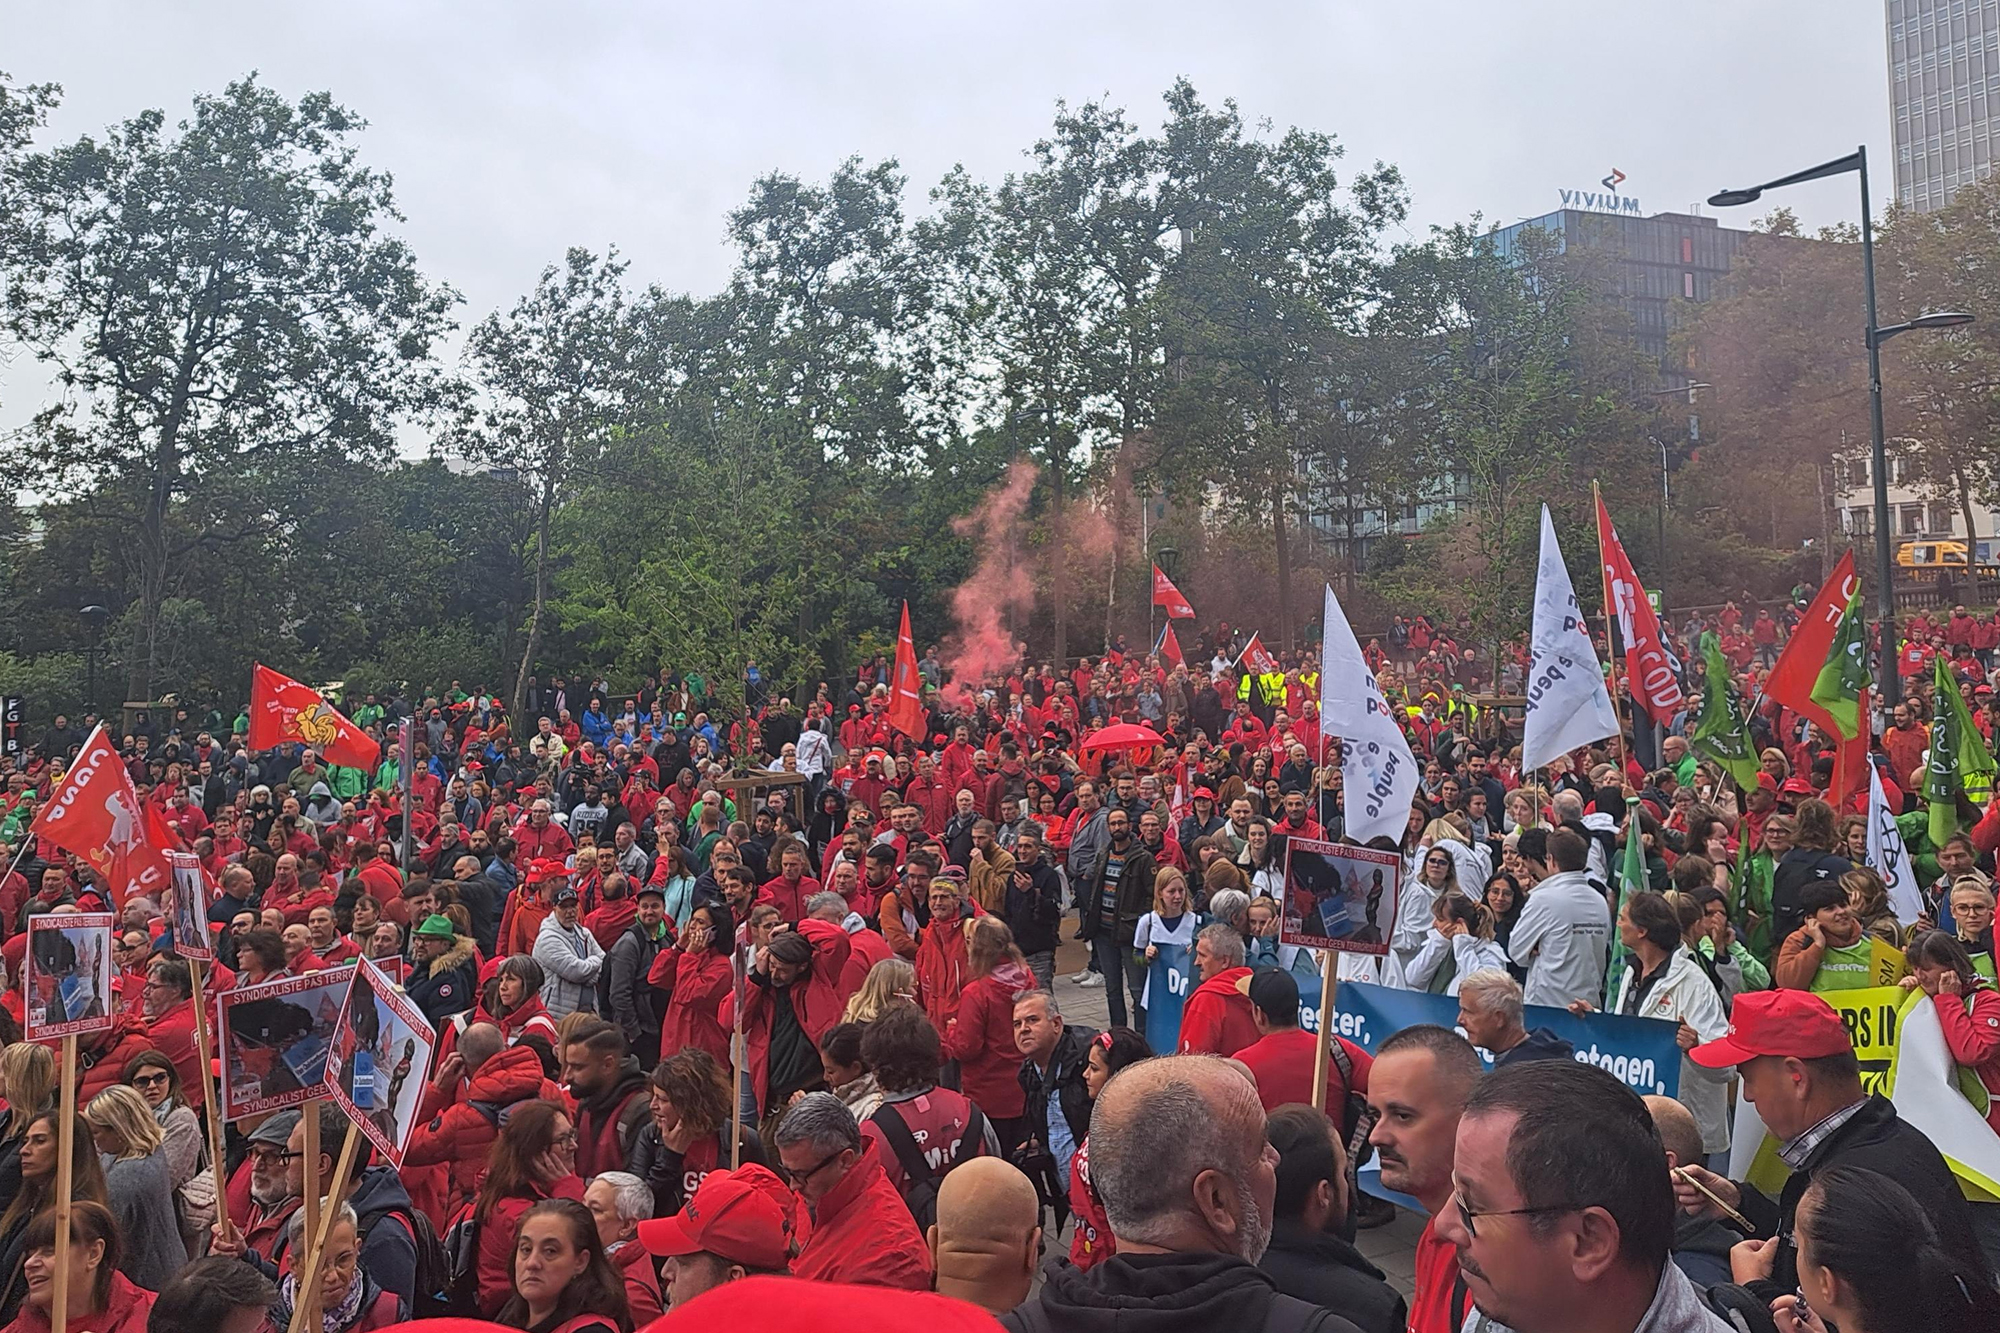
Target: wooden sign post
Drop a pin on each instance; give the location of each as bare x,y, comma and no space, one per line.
202,1047
65,1182
1323,1038
309,1196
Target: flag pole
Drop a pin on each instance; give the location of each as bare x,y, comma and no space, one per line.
217,1163
1323,1039
65,1182
1610,615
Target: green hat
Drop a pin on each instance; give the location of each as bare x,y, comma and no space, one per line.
437,927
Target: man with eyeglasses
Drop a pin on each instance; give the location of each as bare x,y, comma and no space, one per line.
169,1005
259,1233
132,955
1561,1203
1418,1085
862,1230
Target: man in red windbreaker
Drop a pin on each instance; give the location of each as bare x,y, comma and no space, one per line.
1217,1018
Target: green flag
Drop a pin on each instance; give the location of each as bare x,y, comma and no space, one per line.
1719,732
1845,675
1957,752
1631,878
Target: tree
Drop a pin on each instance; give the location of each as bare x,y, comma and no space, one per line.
551,376
1274,263
208,299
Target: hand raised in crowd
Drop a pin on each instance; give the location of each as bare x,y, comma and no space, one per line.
450,1070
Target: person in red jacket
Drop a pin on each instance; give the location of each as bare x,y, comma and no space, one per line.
791,887
800,970
1968,1008
1217,1017
941,961
1282,1059
737,1224
539,837
170,1017
981,1037
529,906
101,1057
533,1159
100,1298
459,1116
619,1202
862,1231
697,972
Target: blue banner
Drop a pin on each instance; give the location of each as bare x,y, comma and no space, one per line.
1640,1052
1169,979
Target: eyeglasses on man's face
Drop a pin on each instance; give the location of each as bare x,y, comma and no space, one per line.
1468,1215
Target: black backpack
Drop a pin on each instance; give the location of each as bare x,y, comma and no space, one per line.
433,1271
920,1183
461,1257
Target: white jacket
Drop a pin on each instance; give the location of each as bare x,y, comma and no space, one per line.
1467,951
570,960
1563,937
1686,993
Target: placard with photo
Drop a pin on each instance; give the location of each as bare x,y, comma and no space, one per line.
273,1040
68,975
193,894
380,1059
1339,897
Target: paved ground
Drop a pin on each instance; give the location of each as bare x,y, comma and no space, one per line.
1391,1248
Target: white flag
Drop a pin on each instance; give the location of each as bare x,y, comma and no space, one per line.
1887,855
1568,705
1378,772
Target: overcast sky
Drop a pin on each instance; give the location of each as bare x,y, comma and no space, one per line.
515,130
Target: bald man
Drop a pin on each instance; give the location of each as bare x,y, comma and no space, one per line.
1701,1244
986,1238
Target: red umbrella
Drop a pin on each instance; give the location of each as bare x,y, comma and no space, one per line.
1123,736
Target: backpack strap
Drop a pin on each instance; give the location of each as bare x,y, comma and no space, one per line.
901,1142
975,1133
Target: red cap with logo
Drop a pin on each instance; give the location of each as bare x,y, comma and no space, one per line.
744,1216
1792,1023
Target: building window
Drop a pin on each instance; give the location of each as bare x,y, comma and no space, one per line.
1687,285
1942,517
1861,520
1912,524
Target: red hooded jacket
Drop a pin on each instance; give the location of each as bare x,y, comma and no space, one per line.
1217,1018
982,1040
820,1005
863,1233
454,1132
172,1034
941,968
102,1063
699,983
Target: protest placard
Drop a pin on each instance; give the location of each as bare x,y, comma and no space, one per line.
68,980
274,1038
193,895
380,1056
1339,897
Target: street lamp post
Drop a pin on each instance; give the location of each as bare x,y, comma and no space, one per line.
1666,495
1874,335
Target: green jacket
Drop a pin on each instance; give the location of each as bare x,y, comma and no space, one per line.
1753,895
346,783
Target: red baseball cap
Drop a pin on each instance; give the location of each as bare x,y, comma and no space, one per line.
1792,1023
1766,782
744,1216
546,869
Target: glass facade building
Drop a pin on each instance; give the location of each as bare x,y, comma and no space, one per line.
1944,94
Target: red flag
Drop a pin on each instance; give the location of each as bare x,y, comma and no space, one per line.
1168,649
1791,680
906,691
1257,657
1649,663
96,814
283,709
1167,595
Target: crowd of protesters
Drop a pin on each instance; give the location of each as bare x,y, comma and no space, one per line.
592,905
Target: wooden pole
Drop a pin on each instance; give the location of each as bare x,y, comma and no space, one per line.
309,1275
309,1122
1323,1039
736,1058
65,1182
201,1049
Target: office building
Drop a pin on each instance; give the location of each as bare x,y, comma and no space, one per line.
1653,262
1944,94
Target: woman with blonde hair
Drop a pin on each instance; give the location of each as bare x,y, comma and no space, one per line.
28,1082
139,1185
1870,898
891,982
1523,808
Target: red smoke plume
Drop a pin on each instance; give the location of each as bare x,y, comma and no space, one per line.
1002,581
